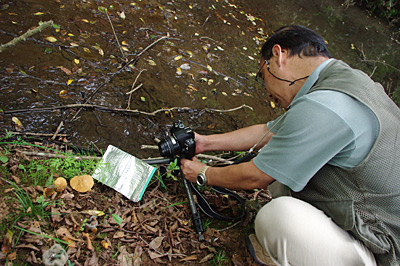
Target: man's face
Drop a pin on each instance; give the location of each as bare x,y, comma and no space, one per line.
277,90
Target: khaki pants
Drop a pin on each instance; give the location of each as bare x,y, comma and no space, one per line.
294,232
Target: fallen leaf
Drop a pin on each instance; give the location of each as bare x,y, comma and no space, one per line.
16,121
51,39
38,13
122,15
88,241
63,94
70,81
66,70
105,244
178,57
76,61
7,242
192,257
93,212
156,242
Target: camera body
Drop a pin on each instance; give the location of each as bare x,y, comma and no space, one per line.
179,143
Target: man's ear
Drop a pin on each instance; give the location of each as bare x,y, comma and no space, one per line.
278,54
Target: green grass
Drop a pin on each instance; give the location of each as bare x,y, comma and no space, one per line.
26,207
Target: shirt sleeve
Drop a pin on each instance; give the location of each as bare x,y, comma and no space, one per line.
306,139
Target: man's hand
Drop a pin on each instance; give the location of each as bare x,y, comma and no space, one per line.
191,168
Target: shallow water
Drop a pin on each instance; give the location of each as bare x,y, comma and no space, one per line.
214,44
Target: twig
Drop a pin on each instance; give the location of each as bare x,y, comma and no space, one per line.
26,35
115,73
116,38
100,107
381,62
133,90
55,155
229,227
37,134
58,130
205,21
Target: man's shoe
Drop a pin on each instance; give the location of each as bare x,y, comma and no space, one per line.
258,253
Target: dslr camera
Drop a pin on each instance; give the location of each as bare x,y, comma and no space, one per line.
179,143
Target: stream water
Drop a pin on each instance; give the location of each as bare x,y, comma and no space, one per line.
205,62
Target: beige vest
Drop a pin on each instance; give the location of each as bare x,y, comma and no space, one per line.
364,200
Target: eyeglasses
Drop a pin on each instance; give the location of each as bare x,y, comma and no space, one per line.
259,74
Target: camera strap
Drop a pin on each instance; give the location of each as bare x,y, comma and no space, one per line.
205,207
208,210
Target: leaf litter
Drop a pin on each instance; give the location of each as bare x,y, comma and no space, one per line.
101,226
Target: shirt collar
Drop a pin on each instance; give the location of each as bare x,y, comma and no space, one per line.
310,81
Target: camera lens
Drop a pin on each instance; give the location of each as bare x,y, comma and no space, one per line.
169,147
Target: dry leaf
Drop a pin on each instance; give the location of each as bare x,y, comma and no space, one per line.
192,257
16,121
7,242
82,183
48,191
105,244
88,241
156,242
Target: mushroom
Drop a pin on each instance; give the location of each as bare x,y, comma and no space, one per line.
82,183
60,184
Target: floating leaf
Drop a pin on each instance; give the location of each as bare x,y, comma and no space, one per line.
178,57
204,97
16,121
125,48
87,50
151,62
224,93
85,20
76,61
124,43
51,39
209,68
70,81
63,94
66,70
178,71
102,9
